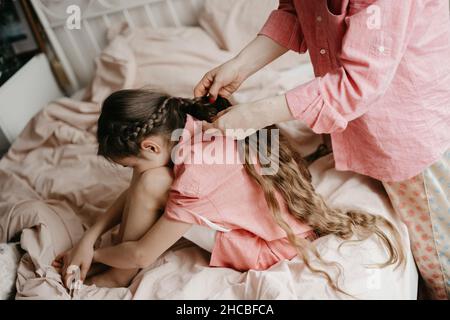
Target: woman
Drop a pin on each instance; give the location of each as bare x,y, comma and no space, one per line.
382,90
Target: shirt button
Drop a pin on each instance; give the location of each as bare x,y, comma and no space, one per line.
319,19
323,51
381,49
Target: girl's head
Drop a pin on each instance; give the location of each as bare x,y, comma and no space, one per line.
135,126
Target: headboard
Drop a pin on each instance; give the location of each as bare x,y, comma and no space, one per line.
77,42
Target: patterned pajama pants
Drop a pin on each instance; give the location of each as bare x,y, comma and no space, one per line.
423,203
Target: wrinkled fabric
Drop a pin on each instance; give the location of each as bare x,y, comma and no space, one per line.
423,202
382,86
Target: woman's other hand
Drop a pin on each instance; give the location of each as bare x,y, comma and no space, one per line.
243,120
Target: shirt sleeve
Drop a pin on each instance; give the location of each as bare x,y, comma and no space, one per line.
371,53
284,27
186,203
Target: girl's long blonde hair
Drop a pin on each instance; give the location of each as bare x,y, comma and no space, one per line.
293,181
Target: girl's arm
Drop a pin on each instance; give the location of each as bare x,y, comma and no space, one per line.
105,222
82,254
140,254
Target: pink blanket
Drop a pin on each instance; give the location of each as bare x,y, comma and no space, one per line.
52,186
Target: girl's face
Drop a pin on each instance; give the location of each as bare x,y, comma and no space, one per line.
155,153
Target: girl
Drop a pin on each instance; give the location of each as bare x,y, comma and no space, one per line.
256,220
383,93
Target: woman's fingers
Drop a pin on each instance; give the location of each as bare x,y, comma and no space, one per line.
203,86
215,88
226,92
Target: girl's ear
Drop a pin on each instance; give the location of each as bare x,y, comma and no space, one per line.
150,145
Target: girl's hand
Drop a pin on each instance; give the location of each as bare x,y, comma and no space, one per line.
81,256
223,80
243,120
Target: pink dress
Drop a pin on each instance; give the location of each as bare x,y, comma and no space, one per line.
224,197
383,79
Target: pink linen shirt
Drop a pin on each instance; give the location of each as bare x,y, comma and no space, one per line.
225,195
382,86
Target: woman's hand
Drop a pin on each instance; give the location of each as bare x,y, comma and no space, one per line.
223,80
81,256
227,78
243,120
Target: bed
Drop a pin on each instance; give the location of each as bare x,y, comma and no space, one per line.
52,184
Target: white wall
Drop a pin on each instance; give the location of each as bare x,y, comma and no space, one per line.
22,96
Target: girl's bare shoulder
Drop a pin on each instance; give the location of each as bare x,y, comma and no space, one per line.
154,180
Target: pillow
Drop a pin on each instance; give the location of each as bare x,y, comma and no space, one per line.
234,23
171,60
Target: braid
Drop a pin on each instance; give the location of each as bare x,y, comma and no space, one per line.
135,131
129,116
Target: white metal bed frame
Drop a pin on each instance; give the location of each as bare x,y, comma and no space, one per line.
77,49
